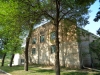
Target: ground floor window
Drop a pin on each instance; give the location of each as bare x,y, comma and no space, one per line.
22,60
34,41
53,49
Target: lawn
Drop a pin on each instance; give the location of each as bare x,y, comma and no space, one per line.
36,70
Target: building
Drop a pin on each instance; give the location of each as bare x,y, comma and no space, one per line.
74,47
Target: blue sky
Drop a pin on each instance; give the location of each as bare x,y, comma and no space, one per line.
93,26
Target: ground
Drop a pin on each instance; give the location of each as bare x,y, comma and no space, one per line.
43,70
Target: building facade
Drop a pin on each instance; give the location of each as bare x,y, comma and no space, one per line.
74,47
72,53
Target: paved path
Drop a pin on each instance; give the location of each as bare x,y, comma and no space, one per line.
2,73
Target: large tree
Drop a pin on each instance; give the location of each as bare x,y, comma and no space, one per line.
24,16
72,10
9,30
29,16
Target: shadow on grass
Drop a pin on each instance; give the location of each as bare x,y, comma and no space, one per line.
44,70
31,69
79,73
35,69
74,73
10,69
97,73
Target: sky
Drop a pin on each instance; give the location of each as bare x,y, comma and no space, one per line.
93,26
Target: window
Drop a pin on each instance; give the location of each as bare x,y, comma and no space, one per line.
53,48
34,41
42,38
22,60
52,35
33,50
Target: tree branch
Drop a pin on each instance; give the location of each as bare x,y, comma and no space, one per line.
64,15
45,13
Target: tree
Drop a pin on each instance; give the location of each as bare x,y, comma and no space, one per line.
98,31
95,47
9,32
97,17
14,46
25,16
4,52
71,10
29,16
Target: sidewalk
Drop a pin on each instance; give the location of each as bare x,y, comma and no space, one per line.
3,73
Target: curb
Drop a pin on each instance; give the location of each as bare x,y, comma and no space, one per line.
5,72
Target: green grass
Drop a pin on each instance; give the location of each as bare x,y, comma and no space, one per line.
35,70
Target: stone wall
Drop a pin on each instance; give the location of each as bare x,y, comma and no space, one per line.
69,53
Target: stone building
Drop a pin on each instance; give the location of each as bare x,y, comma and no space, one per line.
73,53
73,45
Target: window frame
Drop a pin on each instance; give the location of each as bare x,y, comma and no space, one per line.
33,51
41,41
22,61
52,36
34,41
51,49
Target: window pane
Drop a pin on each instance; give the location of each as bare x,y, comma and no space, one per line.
53,48
34,41
22,60
52,35
33,50
42,38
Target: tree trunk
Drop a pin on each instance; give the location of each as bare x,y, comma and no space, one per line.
11,61
26,55
57,62
26,48
3,59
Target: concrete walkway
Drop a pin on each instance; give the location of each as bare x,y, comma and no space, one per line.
3,73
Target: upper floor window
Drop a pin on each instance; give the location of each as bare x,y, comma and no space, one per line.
33,50
52,35
42,39
53,49
34,41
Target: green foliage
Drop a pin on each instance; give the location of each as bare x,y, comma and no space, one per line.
10,32
95,47
97,17
70,10
85,2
